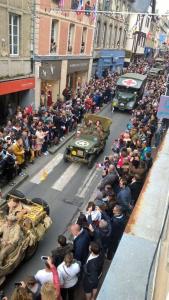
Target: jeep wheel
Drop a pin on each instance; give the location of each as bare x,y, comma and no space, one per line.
90,161
43,203
30,251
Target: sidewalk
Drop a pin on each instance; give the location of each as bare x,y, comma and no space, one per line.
39,163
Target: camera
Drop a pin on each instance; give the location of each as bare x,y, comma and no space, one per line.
44,257
2,295
18,284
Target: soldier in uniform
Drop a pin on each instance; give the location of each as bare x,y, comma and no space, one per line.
16,208
11,235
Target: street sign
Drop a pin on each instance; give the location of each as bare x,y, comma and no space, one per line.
129,82
163,108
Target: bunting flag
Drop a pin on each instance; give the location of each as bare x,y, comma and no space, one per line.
80,7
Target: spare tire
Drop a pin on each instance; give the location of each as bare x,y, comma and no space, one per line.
16,194
43,203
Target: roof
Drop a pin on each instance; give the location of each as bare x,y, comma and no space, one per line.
135,77
141,6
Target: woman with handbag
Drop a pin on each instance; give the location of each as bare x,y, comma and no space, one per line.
68,272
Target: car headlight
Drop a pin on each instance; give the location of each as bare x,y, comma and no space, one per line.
130,104
115,102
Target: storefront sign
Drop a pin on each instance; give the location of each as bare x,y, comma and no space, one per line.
163,109
50,70
79,65
13,86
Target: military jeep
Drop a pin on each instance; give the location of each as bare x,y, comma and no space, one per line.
87,143
158,68
33,225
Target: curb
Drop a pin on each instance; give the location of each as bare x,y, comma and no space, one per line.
7,188
54,150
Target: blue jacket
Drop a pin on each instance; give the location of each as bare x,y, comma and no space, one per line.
81,246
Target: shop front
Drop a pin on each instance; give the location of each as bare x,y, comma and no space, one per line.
77,73
108,61
49,73
13,93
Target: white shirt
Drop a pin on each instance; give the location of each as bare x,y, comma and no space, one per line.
92,256
43,276
68,275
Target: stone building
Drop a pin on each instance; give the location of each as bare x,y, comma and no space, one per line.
110,36
63,47
16,79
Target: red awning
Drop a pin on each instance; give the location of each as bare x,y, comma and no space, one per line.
13,86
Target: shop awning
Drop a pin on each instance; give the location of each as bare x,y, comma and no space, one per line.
13,86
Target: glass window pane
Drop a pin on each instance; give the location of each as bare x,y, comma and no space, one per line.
10,49
15,30
15,49
15,40
15,19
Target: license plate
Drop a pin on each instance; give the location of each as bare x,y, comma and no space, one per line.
80,152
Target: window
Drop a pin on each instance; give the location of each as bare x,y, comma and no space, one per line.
84,33
120,34
115,37
14,33
71,37
147,21
98,34
54,33
104,34
110,36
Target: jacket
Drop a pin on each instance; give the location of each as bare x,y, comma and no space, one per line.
81,246
59,253
19,153
92,271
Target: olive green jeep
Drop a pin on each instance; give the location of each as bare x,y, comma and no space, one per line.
33,219
89,141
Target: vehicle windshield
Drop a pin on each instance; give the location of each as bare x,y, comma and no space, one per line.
126,89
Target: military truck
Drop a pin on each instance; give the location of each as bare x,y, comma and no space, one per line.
33,224
129,89
158,68
88,141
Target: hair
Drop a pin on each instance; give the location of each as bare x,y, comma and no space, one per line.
69,257
62,240
95,248
90,204
48,291
21,293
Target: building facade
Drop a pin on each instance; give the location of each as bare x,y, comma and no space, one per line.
63,47
139,30
16,73
110,36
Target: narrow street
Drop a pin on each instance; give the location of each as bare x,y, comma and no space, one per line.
66,188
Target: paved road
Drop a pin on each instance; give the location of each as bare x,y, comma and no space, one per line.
66,188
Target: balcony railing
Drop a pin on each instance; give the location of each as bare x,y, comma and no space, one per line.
82,50
53,47
69,48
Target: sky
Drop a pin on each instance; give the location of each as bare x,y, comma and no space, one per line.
163,5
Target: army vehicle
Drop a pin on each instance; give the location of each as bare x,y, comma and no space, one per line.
33,224
129,89
158,68
88,141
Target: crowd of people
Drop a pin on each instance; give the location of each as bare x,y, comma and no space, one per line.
98,230
30,133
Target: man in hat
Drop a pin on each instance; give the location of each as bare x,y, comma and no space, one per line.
11,234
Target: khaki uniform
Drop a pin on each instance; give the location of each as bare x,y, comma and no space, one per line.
17,211
11,235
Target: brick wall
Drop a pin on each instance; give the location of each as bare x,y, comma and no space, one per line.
44,35
89,42
77,40
63,38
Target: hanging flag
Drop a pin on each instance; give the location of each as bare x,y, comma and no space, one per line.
80,7
61,3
